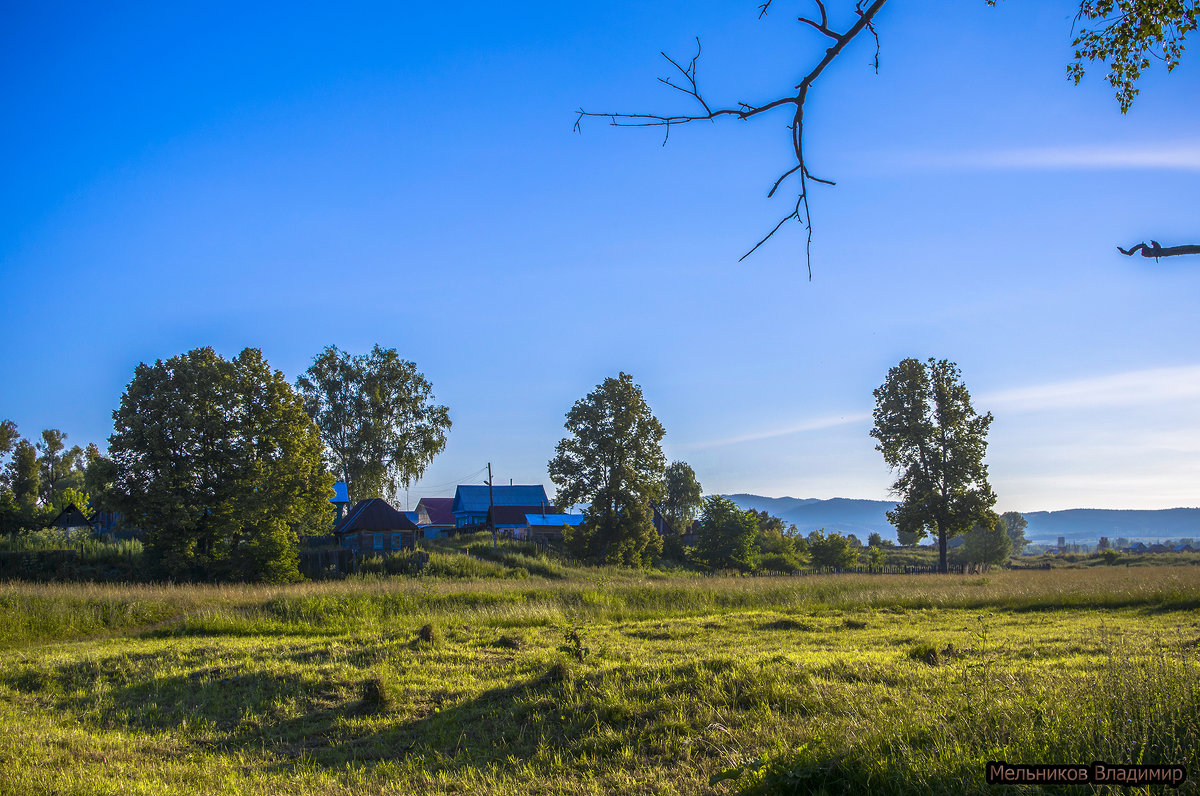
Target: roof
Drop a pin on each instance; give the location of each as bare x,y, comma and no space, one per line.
514,515
413,516
554,519
71,517
473,498
340,495
374,514
440,510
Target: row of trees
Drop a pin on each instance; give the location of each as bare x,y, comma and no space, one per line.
925,427
39,480
224,464
749,540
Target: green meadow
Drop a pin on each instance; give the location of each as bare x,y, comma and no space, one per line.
596,681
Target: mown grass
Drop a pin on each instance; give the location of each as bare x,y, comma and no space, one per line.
615,683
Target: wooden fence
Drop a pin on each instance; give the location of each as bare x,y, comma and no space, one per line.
329,563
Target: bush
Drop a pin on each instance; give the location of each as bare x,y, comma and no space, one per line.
778,562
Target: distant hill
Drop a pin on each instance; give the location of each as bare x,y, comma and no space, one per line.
1091,524
847,515
862,517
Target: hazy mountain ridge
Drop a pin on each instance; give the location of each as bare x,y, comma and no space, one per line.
862,517
848,515
1130,523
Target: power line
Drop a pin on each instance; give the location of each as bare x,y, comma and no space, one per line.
456,481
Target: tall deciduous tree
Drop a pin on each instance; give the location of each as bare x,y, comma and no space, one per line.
681,496
727,535
23,474
59,467
775,535
219,463
377,418
1015,525
928,431
613,460
832,550
987,542
99,477
8,437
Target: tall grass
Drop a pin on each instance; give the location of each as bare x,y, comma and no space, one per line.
1141,709
62,611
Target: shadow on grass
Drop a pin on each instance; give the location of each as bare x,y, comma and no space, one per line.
585,717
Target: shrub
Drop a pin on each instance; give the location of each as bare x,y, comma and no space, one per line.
778,562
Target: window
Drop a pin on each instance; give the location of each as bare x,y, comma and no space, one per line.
378,541
397,541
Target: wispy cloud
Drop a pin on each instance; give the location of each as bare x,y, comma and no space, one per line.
1149,387
816,424
1132,388
1175,156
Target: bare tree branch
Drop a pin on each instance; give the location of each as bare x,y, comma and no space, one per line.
1156,250
744,111
823,25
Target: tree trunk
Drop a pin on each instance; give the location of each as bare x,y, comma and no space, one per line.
941,549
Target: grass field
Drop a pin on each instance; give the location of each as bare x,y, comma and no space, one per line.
609,682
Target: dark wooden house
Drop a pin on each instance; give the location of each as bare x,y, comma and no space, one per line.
373,526
71,520
511,520
548,528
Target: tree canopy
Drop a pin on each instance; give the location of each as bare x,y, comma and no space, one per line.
219,463
378,421
681,496
59,467
832,550
612,460
727,535
8,437
927,429
23,478
1015,525
987,542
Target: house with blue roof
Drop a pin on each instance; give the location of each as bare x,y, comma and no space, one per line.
471,501
545,528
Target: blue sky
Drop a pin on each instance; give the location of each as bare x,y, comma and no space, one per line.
292,176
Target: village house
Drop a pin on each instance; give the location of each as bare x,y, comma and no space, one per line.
72,521
471,501
435,516
548,528
510,520
373,526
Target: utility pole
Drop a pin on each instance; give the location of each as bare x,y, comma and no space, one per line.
491,507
